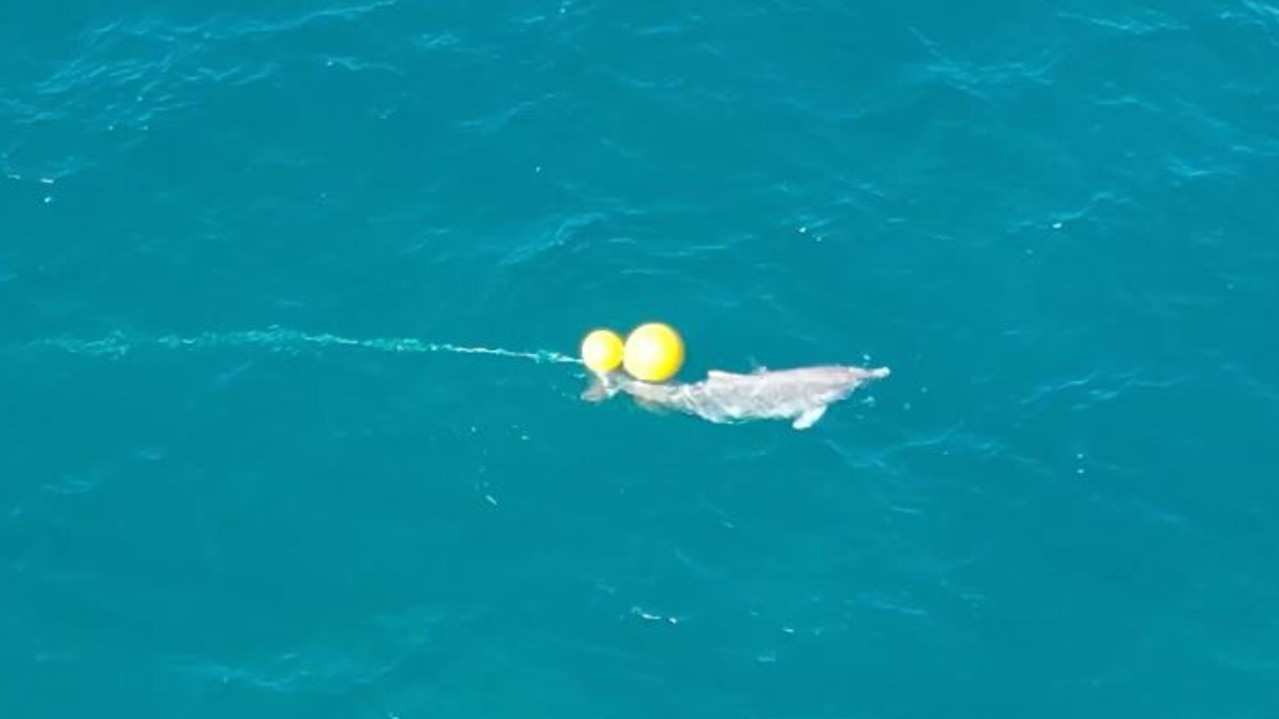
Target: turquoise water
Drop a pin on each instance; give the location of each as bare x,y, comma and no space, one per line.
289,425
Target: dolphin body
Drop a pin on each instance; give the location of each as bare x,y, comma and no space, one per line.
800,395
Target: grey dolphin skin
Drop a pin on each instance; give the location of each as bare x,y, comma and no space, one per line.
800,395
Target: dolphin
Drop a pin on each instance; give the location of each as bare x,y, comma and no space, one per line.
801,394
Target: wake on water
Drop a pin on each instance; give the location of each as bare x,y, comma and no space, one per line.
279,339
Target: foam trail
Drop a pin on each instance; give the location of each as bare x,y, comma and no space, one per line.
279,339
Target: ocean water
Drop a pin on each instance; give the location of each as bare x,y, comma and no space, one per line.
290,294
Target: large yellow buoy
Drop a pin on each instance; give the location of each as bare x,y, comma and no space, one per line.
653,352
602,351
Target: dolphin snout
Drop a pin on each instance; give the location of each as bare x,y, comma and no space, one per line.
877,373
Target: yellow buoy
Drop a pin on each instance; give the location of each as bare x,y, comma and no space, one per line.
602,351
653,352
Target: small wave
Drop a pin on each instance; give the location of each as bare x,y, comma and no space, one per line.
1096,388
1145,22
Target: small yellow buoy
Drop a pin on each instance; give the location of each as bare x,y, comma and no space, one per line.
653,352
602,351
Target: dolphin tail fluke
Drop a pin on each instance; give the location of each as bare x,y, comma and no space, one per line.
598,390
